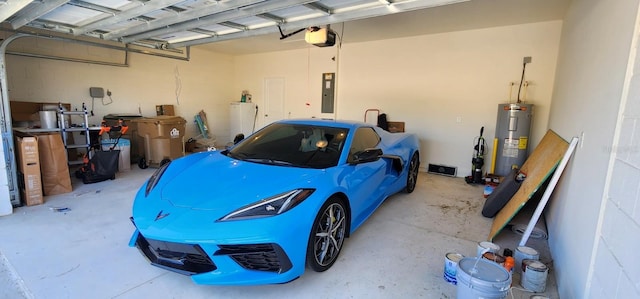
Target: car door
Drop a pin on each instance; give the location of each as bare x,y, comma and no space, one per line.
364,180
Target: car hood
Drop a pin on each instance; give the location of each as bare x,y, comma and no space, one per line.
217,182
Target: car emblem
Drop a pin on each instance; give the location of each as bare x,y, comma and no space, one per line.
160,215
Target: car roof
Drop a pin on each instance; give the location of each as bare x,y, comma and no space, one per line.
327,122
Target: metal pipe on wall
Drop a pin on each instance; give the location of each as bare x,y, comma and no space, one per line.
126,48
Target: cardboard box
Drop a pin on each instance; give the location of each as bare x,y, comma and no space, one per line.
396,126
29,181
28,111
53,165
165,110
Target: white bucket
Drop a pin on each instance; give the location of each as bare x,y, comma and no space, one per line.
451,260
48,120
524,253
479,278
486,246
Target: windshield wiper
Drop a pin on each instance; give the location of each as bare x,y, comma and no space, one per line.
239,156
269,161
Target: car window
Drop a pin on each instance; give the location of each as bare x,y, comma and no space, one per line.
364,138
292,145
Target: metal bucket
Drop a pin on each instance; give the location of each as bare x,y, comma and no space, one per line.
48,120
451,260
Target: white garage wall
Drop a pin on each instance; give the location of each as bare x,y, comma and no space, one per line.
302,71
593,218
426,81
204,83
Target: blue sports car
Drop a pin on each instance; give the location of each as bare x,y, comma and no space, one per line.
282,199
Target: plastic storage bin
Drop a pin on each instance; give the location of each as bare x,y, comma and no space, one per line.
137,143
124,145
163,139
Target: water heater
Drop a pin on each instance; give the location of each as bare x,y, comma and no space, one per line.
512,135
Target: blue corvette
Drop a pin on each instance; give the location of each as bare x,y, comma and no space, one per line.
282,199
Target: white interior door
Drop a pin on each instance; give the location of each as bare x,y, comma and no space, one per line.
273,100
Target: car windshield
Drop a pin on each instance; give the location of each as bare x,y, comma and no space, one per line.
292,145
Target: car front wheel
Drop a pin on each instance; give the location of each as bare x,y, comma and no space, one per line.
327,235
412,176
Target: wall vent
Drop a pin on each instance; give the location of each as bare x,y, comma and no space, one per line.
442,169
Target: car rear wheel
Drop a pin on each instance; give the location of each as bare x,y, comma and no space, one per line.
412,176
327,235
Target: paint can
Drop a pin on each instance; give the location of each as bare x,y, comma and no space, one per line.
534,275
524,253
494,257
486,246
480,278
451,260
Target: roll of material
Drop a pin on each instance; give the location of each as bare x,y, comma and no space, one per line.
520,222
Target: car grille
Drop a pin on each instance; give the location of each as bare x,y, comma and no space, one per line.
186,259
261,257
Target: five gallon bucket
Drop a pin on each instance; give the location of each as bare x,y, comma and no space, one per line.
479,278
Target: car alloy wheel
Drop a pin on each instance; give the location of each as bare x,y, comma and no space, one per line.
327,235
412,176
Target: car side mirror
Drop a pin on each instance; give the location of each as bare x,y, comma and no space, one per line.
367,155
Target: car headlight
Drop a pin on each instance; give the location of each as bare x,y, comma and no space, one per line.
155,177
271,206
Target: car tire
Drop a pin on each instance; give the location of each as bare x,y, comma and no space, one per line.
142,163
327,235
412,175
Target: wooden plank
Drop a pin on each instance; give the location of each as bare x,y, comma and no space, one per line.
547,192
538,167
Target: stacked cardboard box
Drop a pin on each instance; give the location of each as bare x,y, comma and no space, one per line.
53,170
29,180
165,110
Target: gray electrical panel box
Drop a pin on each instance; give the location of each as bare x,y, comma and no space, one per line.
328,91
96,92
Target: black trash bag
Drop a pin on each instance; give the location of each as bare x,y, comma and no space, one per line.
502,194
101,167
382,122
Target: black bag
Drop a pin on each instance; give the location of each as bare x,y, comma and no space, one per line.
101,167
382,122
502,194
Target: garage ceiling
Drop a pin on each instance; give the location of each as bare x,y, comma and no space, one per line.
250,26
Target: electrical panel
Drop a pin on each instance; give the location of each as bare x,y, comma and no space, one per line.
328,92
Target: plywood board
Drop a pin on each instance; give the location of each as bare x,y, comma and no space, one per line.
538,167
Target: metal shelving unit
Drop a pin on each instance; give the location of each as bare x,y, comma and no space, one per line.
66,128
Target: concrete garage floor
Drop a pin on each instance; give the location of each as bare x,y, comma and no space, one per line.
399,252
